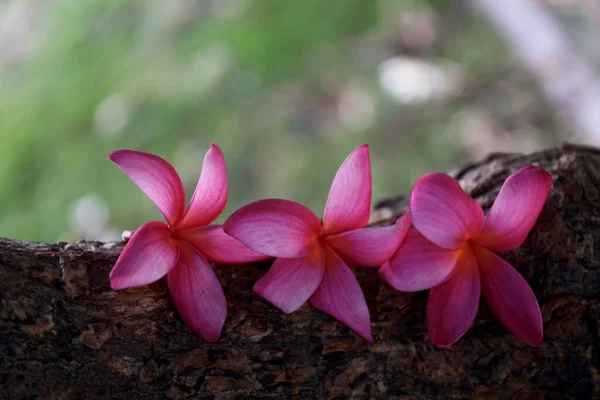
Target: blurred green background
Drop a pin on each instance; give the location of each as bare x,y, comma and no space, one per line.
286,89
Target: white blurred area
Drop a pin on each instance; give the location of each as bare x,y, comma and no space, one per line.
112,115
17,30
88,218
412,80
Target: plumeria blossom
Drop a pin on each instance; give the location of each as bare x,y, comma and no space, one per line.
182,247
452,252
312,257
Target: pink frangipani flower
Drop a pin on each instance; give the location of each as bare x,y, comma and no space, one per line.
452,252
181,248
311,257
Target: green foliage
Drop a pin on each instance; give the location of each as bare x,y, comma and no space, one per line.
256,77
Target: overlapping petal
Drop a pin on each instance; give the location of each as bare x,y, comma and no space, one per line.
148,256
419,264
275,227
452,306
510,297
443,212
218,247
516,209
197,294
290,282
370,247
349,203
340,296
210,196
156,178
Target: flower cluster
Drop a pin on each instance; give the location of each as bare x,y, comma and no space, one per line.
443,243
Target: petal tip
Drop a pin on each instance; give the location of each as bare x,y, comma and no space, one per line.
260,290
534,169
211,337
443,342
535,338
213,146
536,342
368,336
288,311
113,156
433,175
363,149
116,284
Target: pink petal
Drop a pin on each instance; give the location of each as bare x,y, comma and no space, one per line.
147,257
419,264
290,282
443,212
516,209
218,247
197,294
156,178
370,247
349,203
278,228
452,305
340,296
210,196
510,297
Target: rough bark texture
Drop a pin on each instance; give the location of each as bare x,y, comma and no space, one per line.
65,334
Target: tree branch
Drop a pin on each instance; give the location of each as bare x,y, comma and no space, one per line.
65,334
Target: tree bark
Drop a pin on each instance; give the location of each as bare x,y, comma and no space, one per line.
65,334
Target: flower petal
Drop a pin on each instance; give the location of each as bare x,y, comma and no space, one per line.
156,178
218,247
516,209
340,296
197,294
370,247
452,306
275,227
290,282
510,297
349,204
210,196
147,257
419,264
443,212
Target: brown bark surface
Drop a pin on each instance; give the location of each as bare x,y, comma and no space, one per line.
65,334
